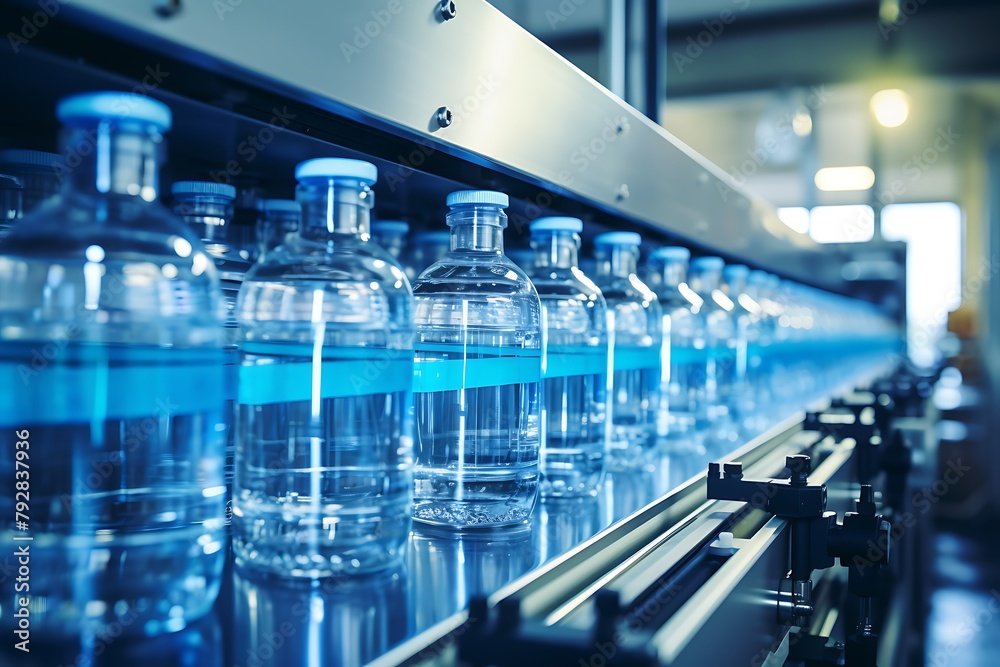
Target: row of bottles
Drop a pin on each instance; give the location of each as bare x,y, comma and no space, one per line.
157,371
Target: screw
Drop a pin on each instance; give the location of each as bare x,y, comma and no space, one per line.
166,8
622,192
444,116
447,10
799,465
733,470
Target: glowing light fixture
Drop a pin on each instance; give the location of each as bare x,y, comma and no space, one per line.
891,107
842,179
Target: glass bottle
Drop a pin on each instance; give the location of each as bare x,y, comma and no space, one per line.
715,342
635,386
391,235
575,421
112,353
276,218
324,449
477,347
675,420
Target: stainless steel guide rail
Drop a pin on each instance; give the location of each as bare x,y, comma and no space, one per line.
478,97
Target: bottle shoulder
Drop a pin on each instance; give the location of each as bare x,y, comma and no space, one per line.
348,261
474,273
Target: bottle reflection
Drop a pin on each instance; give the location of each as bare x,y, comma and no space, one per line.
630,490
675,465
449,567
198,644
348,620
563,523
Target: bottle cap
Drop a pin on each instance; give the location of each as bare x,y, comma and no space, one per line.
337,169
557,224
618,238
432,238
90,108
391,226
16,157
707,264
209,188
672,252
757,277
283,205
735,271
487,197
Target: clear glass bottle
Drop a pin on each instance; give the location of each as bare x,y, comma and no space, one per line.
11,191
635,385
207,208
714,383
575,421
742,400
276,219
426,248
391,235
39,172
324,448
675,420
113,381
477,345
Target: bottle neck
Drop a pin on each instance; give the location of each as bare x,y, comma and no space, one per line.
618,261
557,250
477,228
734,287
705,282
331,208
673,273
209,217
113,160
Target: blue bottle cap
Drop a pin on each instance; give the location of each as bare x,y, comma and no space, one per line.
432,238
209,188
618,238
16,157
557,224
282,205
757,277
90,108
736,271
672,252
337,169
391,226
707,264
487,197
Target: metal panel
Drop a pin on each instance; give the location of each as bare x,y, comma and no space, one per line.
518,107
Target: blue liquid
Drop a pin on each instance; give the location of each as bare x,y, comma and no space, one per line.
574,386
477,438
635,400
126,483
323,477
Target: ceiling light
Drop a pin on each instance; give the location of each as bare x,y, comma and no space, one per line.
891,107
840,179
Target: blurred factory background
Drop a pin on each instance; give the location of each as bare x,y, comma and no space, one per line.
907,94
